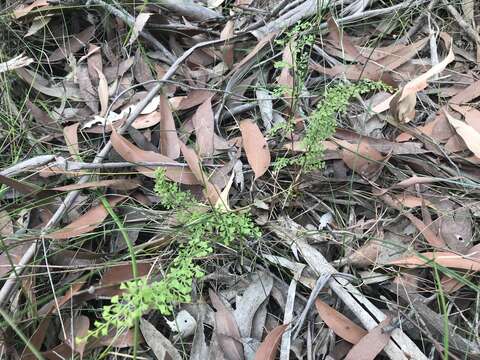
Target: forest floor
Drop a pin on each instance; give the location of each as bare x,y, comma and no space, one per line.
239,179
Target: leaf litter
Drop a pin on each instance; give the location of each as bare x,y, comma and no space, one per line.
388,216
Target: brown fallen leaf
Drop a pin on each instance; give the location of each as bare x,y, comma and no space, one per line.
119,184
74,44
226,329
339,323
140,22
227,49
256,147
85,223
269,347
194,98
169,143
147,120
361,157
467,133
76,328
118,274
131,153
371,344
25,10
443,258
70,133
404,97
102,92
450,285
212,192
94,61
203,121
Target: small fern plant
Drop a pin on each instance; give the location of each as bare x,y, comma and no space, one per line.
322,122
201,230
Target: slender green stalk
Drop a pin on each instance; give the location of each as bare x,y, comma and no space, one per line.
131,250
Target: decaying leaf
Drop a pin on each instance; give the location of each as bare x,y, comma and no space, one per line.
159,344
467,133
361,157
74,44
442,258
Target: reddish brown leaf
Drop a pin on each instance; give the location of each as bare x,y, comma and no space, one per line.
212,193
260,45
203,121
41,116
269,347
443,258
131,153
118,274
85,223
371,344
256,147
70,133
361,157
74,44
339,323
169,143
227,329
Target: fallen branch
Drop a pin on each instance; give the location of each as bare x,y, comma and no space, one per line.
400,347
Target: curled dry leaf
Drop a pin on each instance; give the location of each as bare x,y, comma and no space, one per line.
442,258
371,344
87,222
269,347
25,10
467,133
404,97
169,143
131,153
339,323
256,147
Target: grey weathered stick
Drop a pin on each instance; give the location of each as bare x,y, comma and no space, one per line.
130,21
28,164
400,347
70,198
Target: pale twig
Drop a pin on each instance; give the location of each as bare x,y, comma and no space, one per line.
27,165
